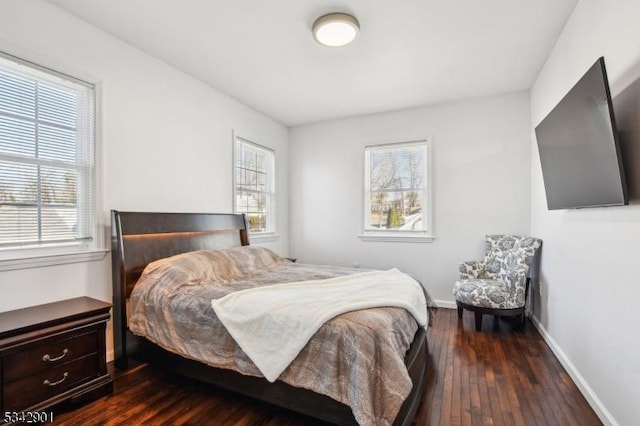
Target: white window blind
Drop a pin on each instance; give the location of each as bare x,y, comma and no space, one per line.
46,156
397,190
254,185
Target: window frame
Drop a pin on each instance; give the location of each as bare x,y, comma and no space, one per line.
31,255
271,233
424,235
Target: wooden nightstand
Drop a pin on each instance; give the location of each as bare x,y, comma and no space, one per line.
52,353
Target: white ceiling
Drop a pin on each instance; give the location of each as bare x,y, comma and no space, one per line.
409,52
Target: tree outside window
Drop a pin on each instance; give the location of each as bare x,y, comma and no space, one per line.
396,188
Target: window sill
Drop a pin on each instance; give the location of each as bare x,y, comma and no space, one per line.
51,260
396,237
263,237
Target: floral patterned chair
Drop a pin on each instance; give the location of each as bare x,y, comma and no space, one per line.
498,285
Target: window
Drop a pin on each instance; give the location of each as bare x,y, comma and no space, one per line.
47,172
397,192
254,186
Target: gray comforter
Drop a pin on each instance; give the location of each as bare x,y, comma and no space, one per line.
356,358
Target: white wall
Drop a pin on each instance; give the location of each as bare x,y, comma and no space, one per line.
481,164
166,139
590,285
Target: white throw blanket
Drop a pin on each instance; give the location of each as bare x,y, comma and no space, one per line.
273,324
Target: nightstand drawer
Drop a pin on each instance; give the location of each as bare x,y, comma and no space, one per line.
53,353
50,353
21,393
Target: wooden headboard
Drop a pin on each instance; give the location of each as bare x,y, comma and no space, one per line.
139,238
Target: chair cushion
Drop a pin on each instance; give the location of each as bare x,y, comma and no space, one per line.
486,293
471,270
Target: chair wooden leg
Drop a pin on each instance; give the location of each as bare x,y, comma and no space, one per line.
459,312
478,321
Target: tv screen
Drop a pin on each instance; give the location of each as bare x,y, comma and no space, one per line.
578,146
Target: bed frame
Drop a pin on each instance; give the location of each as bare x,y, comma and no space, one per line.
139,238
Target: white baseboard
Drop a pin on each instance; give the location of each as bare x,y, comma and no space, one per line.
591,397
446,304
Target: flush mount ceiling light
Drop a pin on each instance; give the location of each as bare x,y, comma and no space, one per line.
335,29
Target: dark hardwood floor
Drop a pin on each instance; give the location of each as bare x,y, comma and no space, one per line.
493,377
496,377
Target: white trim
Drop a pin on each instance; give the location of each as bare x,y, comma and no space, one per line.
263,237
24,65
48,62
586,390
43,254
99,237
393,235
51,260
446,304
396,237
271,217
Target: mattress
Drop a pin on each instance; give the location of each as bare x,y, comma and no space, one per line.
357,358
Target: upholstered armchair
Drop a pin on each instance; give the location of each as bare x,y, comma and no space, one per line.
498,285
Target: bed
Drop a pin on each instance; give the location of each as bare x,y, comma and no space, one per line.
140,239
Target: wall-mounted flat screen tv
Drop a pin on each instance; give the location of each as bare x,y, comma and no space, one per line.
578,146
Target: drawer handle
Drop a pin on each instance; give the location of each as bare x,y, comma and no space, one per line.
64,377
47,357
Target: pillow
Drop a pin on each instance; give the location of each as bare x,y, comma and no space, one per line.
222,265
